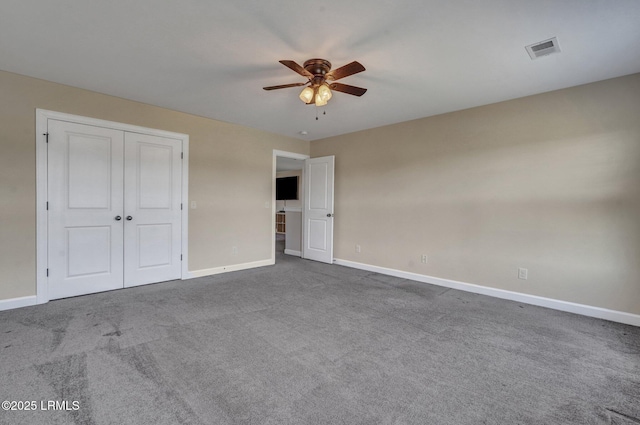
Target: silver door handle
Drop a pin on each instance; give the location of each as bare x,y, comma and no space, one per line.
129,218
118,218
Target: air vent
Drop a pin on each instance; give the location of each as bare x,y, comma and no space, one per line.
543,48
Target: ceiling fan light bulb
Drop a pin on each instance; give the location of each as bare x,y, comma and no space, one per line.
306,95
320,101
324,92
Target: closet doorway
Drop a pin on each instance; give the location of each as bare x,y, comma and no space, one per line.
113,212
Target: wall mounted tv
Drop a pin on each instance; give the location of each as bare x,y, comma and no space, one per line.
286,188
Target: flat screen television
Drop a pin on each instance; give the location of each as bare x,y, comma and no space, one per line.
286,188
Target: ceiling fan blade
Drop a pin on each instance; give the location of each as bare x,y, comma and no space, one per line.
284,86
345,88
297,68
344,71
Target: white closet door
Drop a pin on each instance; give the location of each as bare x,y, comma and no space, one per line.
85,196
318,209
152,225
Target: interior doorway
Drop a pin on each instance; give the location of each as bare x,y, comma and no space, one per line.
287,209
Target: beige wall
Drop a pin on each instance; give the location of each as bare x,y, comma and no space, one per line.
230,172
548,182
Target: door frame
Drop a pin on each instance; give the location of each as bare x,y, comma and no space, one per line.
283,154
42,241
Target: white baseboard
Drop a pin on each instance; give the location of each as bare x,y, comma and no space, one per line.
292,252
226,269
585,310
17,302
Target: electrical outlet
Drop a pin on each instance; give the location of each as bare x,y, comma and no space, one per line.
358,249
194,205
267,204
523,273
234,250
423,259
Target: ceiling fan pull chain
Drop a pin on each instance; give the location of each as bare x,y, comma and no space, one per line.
323,113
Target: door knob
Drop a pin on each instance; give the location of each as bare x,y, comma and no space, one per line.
129,218
330,215
118,218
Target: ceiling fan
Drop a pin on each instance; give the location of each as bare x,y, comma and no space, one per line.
321,80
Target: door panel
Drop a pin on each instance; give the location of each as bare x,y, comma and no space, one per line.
155,175
318,210
88,250
318,191
89,171
85,193
156,241
318,234
153,170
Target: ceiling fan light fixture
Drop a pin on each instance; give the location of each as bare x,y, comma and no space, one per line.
324,94
320,101
306,95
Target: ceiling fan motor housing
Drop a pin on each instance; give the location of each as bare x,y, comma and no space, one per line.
318,67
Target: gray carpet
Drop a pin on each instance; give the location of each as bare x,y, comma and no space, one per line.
309,343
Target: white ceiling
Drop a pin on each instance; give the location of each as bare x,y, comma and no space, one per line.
423,57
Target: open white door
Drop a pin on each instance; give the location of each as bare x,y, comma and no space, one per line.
318,209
